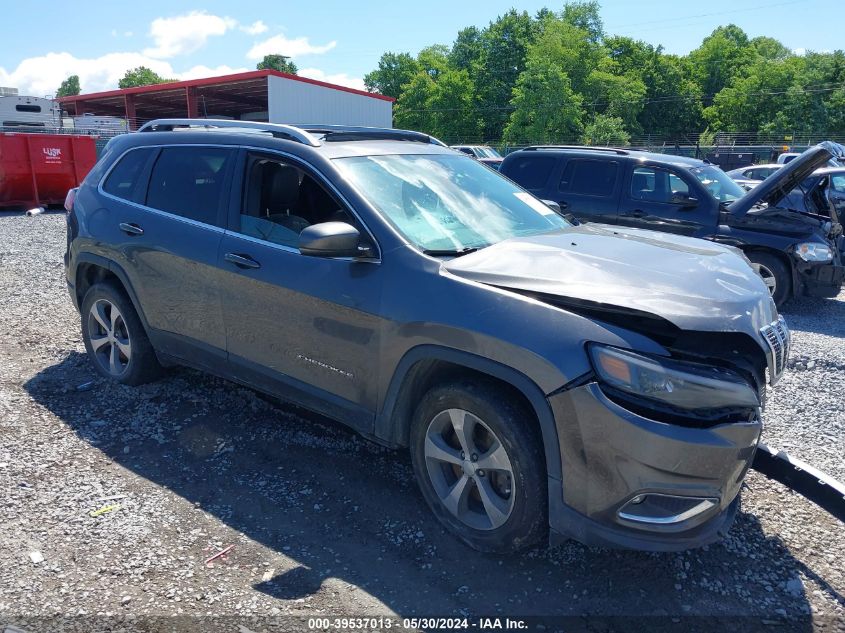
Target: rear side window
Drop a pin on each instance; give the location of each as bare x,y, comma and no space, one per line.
122,181
532,171
589,177
188,181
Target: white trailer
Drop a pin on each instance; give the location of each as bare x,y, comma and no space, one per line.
29,112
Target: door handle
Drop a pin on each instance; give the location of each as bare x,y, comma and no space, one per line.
636,214
131,229
241,261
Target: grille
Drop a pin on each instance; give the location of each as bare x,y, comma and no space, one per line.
778,339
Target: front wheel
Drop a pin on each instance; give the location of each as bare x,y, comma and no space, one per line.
479,464
775,275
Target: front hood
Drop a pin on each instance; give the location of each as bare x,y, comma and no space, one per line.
777,186
693,284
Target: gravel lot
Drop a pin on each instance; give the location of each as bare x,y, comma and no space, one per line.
325,523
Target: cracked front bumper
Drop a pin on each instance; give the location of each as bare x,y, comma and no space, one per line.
614,459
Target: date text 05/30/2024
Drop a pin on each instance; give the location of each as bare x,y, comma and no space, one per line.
413,624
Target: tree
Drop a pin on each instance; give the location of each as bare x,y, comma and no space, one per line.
585,16
720,57
452,107
69,87
546,110
466,50
605,130
434,60
282,63
412,110
504,47
141,76
394,71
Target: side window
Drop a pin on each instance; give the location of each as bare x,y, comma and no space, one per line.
837,183
589,177
531,171
280,200
122,181
466,150
656,185
188,181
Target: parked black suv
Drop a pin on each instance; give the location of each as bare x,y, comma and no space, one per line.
607,384
796,252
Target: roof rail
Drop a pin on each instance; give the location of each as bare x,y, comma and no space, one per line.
360,133
615,150
277,130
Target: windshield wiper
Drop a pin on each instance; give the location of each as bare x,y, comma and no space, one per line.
453,252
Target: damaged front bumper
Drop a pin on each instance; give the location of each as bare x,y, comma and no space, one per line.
632,482
819,279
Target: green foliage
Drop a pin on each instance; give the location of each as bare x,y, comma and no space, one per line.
69,87
394,71
546,108
141,76
557,76
606,130
282,63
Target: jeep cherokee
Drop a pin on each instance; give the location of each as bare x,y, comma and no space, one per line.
592,383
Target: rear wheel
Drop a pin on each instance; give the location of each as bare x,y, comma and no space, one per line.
114,337
775,275
480,466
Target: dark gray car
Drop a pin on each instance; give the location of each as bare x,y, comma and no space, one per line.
603,383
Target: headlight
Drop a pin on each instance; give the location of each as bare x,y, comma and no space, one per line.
814,252
678,384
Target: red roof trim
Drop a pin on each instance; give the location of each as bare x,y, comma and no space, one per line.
212,81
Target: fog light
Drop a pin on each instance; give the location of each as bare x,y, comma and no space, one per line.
660,509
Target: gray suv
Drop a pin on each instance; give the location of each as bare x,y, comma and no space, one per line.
597,383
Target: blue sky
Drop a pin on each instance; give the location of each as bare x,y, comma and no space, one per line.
333,40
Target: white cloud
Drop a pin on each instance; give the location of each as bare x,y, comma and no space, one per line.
184,34
40,76
256,28
341,79
799,51
281,45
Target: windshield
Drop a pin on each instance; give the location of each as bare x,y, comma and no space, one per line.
718,183
447,202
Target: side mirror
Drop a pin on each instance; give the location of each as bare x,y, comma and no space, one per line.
684,200
330,239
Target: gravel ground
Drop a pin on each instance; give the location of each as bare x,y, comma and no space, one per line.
323,522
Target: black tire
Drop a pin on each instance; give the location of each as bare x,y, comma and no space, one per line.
515,428
768,264
141,365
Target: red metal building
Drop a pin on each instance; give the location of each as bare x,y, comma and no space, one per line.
266,95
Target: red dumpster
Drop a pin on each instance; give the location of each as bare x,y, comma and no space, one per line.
38,169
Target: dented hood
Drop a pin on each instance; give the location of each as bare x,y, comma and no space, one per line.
777,186
694,284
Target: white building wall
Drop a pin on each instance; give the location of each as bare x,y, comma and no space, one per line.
291,101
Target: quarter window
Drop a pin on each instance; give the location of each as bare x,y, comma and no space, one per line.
188,181
532,172
123,179
589,177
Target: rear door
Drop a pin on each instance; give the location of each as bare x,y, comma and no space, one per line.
168,217
665,199
589,189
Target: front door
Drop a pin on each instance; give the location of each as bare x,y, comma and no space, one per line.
303,327
665,200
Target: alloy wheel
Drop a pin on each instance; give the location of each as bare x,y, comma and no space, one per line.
109,337
469,469
768,277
